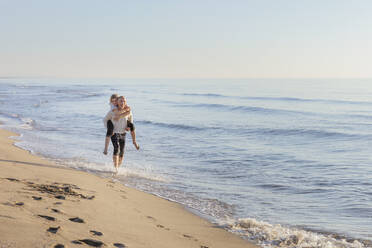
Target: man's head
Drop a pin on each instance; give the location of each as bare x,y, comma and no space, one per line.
121,101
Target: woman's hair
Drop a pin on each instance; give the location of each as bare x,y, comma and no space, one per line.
113,96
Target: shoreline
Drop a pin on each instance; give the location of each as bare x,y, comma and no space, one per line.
39,198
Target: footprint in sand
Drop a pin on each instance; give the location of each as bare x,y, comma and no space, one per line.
53,229
190,237
37,198
119,245
151,218
12,179
61,197
47,217
77,220
90,242
96,233
161,226
57,211
6,216
90,197
59,246
19,203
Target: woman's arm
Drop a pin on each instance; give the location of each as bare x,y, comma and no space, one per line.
122,114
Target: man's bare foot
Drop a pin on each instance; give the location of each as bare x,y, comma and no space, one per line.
136,145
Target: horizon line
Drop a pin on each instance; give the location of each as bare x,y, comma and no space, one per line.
162,78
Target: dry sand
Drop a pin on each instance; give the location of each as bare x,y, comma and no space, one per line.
41,206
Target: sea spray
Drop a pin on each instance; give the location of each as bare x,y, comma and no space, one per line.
272,236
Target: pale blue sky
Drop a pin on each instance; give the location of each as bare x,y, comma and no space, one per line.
186,38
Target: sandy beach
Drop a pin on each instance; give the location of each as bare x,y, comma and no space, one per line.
42,205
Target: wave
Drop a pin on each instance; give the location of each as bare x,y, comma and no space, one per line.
263,110
26,86
300,132
286,99
77,93
269,235
173,126
360,116
33,125
275,187
206,95
27,123
10,115
281,132
40,103
245,109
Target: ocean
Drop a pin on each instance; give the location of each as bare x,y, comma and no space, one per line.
280,162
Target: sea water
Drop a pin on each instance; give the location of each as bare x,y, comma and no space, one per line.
281,162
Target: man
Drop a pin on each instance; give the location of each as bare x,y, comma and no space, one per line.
120,118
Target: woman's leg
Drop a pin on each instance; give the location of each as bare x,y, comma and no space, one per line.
110,129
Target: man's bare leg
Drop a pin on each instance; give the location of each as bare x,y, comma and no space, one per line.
107,141
115,159
120,160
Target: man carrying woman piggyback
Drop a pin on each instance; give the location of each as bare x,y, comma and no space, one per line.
117,121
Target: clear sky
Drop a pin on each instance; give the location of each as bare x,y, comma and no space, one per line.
186,38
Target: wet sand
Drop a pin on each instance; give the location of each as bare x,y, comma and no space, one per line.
42,205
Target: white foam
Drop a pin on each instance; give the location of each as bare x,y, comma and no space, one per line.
27,124
126,171
269,236
22,145
18,137
143,172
